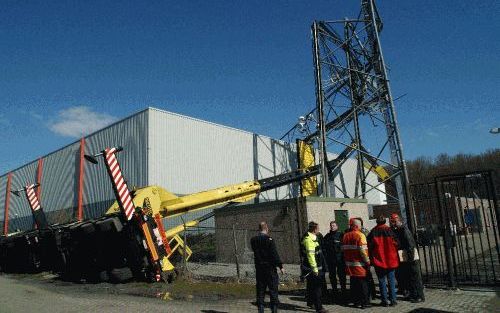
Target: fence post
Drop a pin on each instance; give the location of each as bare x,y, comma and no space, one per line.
236,253
446,235
185,245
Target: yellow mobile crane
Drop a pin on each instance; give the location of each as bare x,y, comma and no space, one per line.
141,210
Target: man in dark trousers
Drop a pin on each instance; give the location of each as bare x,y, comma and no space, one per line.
267,260
333,253
357,263
372,292
313,265
324,287
409,267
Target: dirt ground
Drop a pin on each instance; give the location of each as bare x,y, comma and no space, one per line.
46,293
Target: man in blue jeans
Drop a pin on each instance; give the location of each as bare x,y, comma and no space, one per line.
383,251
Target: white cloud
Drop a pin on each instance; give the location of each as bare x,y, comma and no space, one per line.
79,121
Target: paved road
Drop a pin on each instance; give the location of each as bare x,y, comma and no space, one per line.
18,294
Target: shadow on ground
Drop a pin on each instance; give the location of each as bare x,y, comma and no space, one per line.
426,310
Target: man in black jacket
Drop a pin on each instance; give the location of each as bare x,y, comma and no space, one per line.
332,243
266,260
409,276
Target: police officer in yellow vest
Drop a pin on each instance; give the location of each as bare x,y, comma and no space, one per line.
313,265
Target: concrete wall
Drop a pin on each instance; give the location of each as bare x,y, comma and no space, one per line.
322,211
287,220
281,217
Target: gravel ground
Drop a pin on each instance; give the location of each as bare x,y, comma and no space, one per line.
44,293
247,271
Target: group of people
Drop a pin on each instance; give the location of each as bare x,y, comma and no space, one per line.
391,250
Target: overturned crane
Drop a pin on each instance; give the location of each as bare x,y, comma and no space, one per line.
131,234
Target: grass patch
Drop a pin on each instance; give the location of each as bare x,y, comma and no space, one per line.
185,288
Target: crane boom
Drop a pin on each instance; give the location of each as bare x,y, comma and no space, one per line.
167,204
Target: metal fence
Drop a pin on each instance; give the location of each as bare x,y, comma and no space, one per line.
457,229
228,260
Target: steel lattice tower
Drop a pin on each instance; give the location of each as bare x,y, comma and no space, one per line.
354,104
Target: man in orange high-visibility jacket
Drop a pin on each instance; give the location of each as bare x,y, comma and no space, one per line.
357,263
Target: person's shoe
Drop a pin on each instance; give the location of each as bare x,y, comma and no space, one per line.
274,308
368,305
384,303
260,308
359,306
393,303
416,300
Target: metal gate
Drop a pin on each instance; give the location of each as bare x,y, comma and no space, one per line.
457,230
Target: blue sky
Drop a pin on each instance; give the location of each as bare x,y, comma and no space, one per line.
245,64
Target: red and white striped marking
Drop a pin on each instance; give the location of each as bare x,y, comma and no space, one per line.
124,197
32,198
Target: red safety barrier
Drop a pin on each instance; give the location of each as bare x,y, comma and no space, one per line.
121,188
32,197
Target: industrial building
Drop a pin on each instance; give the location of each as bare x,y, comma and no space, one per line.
179,153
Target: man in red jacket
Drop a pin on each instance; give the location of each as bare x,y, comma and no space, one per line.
383,250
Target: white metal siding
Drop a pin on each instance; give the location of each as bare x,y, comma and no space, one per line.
187,155
345,182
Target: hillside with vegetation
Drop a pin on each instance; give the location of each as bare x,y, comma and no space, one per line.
424,169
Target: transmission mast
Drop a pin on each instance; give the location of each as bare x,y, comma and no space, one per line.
354,106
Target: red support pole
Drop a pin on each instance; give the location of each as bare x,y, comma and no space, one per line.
7,202
81,175
39,172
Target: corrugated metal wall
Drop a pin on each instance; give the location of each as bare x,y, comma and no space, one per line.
59,184
59,191
131,134
20,217
272,157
